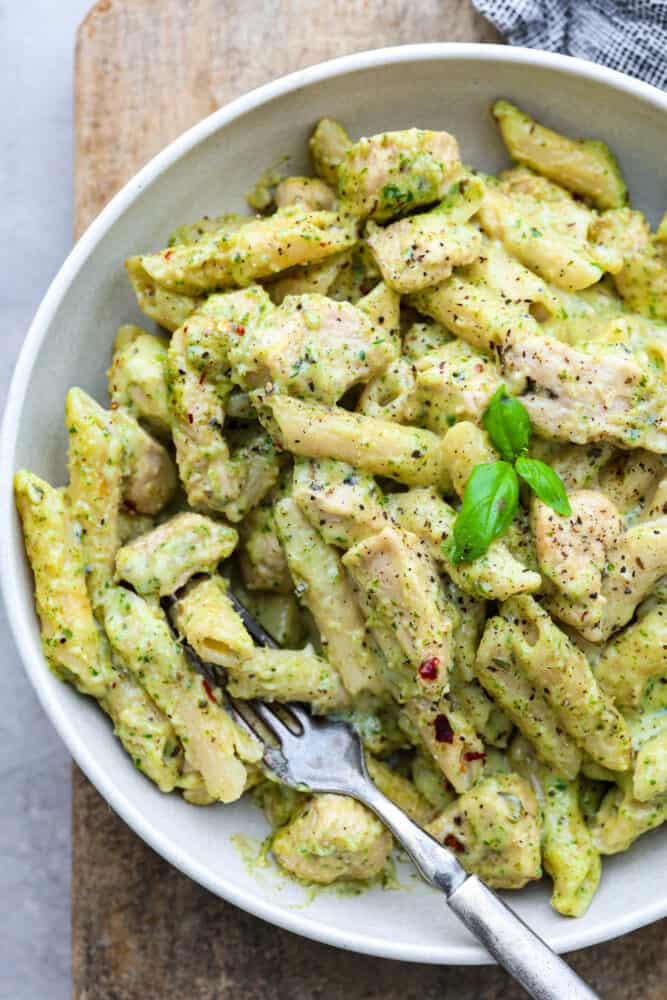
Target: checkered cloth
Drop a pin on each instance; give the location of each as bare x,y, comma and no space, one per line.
628,35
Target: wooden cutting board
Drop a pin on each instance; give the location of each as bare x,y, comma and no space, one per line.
145,71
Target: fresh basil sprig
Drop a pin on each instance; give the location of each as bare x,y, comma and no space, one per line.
491,496
507,423
545,483
489,503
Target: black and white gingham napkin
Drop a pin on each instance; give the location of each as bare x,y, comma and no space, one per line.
628,35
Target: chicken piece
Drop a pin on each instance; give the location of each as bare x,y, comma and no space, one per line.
311,347
493,829
572,553
309,192
254,465
332,838
636,564
150,479
401,584
577,396
212,330
423,249
386,174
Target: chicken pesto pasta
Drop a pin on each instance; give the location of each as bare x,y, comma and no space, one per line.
414,417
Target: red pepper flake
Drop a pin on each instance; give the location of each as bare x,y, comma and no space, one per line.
471,755
443,730
191,419
428,670
168,254
240,330
324,244
202,378
209,691
453,843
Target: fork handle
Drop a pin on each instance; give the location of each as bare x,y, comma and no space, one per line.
541,972
520,951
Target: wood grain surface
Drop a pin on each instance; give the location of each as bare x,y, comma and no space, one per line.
146,70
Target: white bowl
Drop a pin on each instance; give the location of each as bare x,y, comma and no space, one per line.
208,170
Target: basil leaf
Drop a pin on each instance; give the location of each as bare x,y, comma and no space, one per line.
507,423
545,484
489,504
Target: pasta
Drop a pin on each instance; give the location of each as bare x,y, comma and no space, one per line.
414,417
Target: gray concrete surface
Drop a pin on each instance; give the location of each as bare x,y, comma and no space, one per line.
36,61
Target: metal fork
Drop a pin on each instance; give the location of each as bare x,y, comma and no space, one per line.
317,755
